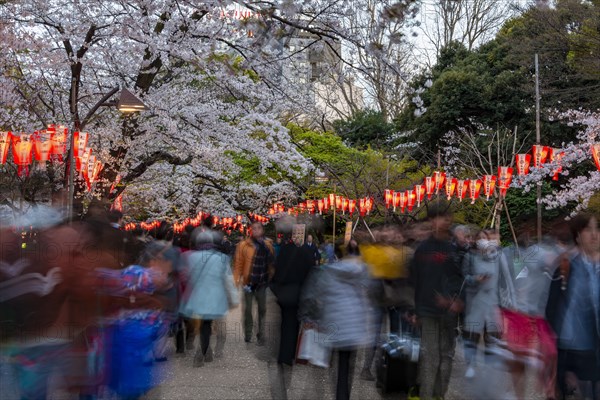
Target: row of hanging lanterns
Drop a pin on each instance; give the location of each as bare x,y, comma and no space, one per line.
49,145
228,224
331,202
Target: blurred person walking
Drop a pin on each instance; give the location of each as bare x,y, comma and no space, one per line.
485,270
341,293
210,291
292,267
252,269
437,280
573,311
313,249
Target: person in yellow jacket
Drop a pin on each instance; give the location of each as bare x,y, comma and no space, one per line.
252,269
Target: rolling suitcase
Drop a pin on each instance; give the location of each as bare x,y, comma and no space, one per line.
397,365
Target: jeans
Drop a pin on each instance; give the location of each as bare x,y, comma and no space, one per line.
260,294
436,356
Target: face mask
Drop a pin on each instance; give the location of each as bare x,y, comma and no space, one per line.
482,244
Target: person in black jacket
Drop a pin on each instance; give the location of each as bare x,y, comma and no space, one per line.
437,280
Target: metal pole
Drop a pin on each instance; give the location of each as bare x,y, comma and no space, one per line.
334,210
538,140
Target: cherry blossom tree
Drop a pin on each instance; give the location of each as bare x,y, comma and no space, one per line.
209,72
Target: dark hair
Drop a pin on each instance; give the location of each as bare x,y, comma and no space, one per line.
438,209
579,223
114,216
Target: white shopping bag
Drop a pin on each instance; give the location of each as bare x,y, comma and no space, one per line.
311,348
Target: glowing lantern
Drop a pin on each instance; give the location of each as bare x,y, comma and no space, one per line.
22,146
474,189
332,200
540,155
555,156
439,178
320,205
523,161
368,204
403,201
419,194
326,204
115,183
82,162
338,202
80,139
410,199
344,205
58,137
395,199
388,197
462,186
42,145
450,187
504,179
118,204
489,183
4,146
87,168
351,206
595,154
429,186
310,206
361,207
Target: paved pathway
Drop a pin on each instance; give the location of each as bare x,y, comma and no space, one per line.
247,371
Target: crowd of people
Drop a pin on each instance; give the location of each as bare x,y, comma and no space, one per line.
99,307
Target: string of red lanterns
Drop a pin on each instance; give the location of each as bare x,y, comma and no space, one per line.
49,145
331,203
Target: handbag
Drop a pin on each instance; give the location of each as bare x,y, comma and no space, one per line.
311,348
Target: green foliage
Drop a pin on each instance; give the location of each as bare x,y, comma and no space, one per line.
366,128
494,85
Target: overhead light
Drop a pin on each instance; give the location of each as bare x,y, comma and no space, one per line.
128,102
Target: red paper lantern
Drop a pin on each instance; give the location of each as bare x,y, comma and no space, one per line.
118,204
82,162
523,161
504,179
87,168
332,200
403,200
361,207
344,205
462,186
80,140
450,187
555,156
596,155
388,197
5,139
474,189
326,204
540,154
440,178
58,137
42,146
310,206
489,183
395,199
351,206
320,205
338,202
410,199
429,186
419,191
22,147
368,205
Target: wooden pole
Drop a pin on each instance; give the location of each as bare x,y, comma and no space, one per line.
538,140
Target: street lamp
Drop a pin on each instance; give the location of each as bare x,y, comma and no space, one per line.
128,103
